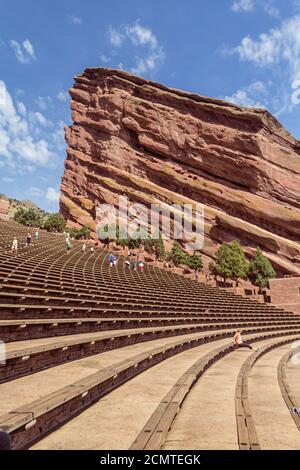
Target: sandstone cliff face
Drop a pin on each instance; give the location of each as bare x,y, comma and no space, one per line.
4,208
135,137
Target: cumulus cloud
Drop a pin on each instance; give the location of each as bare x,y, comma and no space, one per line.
21,108
74,19
248,6
149,53
249,96
270,9
43,102
19,148
276,52
115,37
242,5
104,59
279,45
141,36
62,96
37,118
24,52
52,195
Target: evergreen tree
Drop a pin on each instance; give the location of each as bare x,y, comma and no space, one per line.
194,262
231,262
177,255
261,270
155,245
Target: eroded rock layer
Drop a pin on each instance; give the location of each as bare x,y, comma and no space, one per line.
134,137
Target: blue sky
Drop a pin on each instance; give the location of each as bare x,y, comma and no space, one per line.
245,51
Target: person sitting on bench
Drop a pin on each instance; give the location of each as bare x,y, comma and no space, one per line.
239,343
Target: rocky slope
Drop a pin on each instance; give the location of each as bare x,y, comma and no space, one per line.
138,138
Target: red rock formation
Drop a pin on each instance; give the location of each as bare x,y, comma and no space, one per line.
135,137
4,209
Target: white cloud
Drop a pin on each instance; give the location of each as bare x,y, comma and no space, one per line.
248,6
29,49
251,96
104,59
242,5
62,96
19,149
74,19
279,45
141,36
150,62
37,118
21,108
34,191
37,152
43,102
52,195
150,54
24,52
20,92
7,179
115,37
271,10
58,137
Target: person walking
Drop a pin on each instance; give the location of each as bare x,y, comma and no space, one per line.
127,264
37,235
28,240
134,264
239,343
111,260
141,266
83,248
14,246
69,246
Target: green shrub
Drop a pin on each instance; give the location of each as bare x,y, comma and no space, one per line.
29,217
77,234
55,223
231,262
194,262
261,270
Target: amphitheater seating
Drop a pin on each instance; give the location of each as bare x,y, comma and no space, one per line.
76,330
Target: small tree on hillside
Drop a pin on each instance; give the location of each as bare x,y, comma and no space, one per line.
213,269
78,233
29,217
155,245
55,223
231,262
177,255
194,262
261,270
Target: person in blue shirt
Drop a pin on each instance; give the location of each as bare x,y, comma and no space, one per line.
111,260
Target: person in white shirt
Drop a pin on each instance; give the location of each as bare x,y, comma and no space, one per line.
14,246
